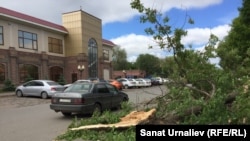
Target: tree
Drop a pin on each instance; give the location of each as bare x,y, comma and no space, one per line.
119,59
148,63
168,66
192,66
199,89
28,78
61,80
234,50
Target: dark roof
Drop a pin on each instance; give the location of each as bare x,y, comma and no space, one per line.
107,42
26,18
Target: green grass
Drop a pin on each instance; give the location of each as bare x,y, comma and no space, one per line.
111,134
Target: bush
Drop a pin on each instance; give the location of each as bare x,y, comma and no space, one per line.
8,86
61,80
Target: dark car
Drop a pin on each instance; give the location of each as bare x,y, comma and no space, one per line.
87,98
95,79
77,81
154,82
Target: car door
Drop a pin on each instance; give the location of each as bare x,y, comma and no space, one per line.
104,96
28,88
37,88
116,98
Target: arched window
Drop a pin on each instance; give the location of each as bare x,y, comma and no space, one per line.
55,73
93,58
28,72
2,73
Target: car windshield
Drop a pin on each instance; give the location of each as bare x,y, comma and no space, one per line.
79,87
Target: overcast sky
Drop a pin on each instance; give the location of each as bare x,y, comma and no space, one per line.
121,23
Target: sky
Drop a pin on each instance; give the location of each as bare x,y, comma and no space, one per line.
121,25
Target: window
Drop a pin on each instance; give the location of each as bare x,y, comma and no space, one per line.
31,83
55,45
112,89
36,83
2,73
92,55
102,88
27,40
106,55
27,72
1,35
55,73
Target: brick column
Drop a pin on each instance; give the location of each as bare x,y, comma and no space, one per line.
44,66
13,66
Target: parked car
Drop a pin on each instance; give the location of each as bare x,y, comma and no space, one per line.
77,81
154,82
127,83
159,79
116,83
140,83
40,88
87,98
147,81
95,79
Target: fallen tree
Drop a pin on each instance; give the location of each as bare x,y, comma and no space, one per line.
132,119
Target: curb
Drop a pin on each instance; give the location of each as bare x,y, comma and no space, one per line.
6,94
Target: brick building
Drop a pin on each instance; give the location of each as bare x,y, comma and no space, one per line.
129,74
36,48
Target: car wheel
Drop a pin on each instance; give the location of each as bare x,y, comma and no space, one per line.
125,100
19,93
44,95
66,114
97,110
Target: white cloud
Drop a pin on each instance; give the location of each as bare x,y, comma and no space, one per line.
199,36
215,60
138,44
107,10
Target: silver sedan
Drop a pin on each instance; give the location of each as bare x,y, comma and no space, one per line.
40,88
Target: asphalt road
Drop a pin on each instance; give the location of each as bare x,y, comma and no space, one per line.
30,119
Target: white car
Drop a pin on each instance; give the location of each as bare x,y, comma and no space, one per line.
146,82
138,83
142,82
127,83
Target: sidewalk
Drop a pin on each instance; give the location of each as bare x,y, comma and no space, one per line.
4,94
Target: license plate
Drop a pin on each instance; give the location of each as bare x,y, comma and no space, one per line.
65,100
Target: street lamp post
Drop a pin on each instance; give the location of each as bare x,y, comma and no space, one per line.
125,76
80,69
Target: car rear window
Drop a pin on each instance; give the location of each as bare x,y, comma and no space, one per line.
52,83
79,87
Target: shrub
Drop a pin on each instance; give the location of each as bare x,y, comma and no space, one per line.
8,86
